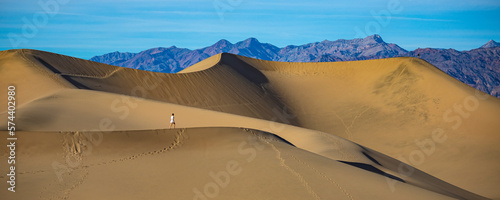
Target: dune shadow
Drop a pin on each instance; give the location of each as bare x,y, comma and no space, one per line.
56,71
372,169
243,68
371,158
283,140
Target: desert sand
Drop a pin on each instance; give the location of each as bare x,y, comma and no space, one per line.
394,128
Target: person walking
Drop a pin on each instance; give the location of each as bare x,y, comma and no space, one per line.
172,121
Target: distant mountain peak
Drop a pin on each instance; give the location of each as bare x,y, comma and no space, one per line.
223,42
374,38
248,43
251,39
490,44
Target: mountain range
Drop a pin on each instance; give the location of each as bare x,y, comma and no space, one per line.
479,68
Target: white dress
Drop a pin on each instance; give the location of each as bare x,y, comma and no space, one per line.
172,119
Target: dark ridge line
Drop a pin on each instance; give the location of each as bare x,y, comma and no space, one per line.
372,169
371,158
283,140
56,71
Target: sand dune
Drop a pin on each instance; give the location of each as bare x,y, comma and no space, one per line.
179,164
296,115
394,106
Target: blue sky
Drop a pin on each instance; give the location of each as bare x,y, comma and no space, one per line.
87,28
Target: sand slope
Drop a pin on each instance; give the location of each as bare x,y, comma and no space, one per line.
394,106
175,164
382,105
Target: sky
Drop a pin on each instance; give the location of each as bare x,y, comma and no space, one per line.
88,28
